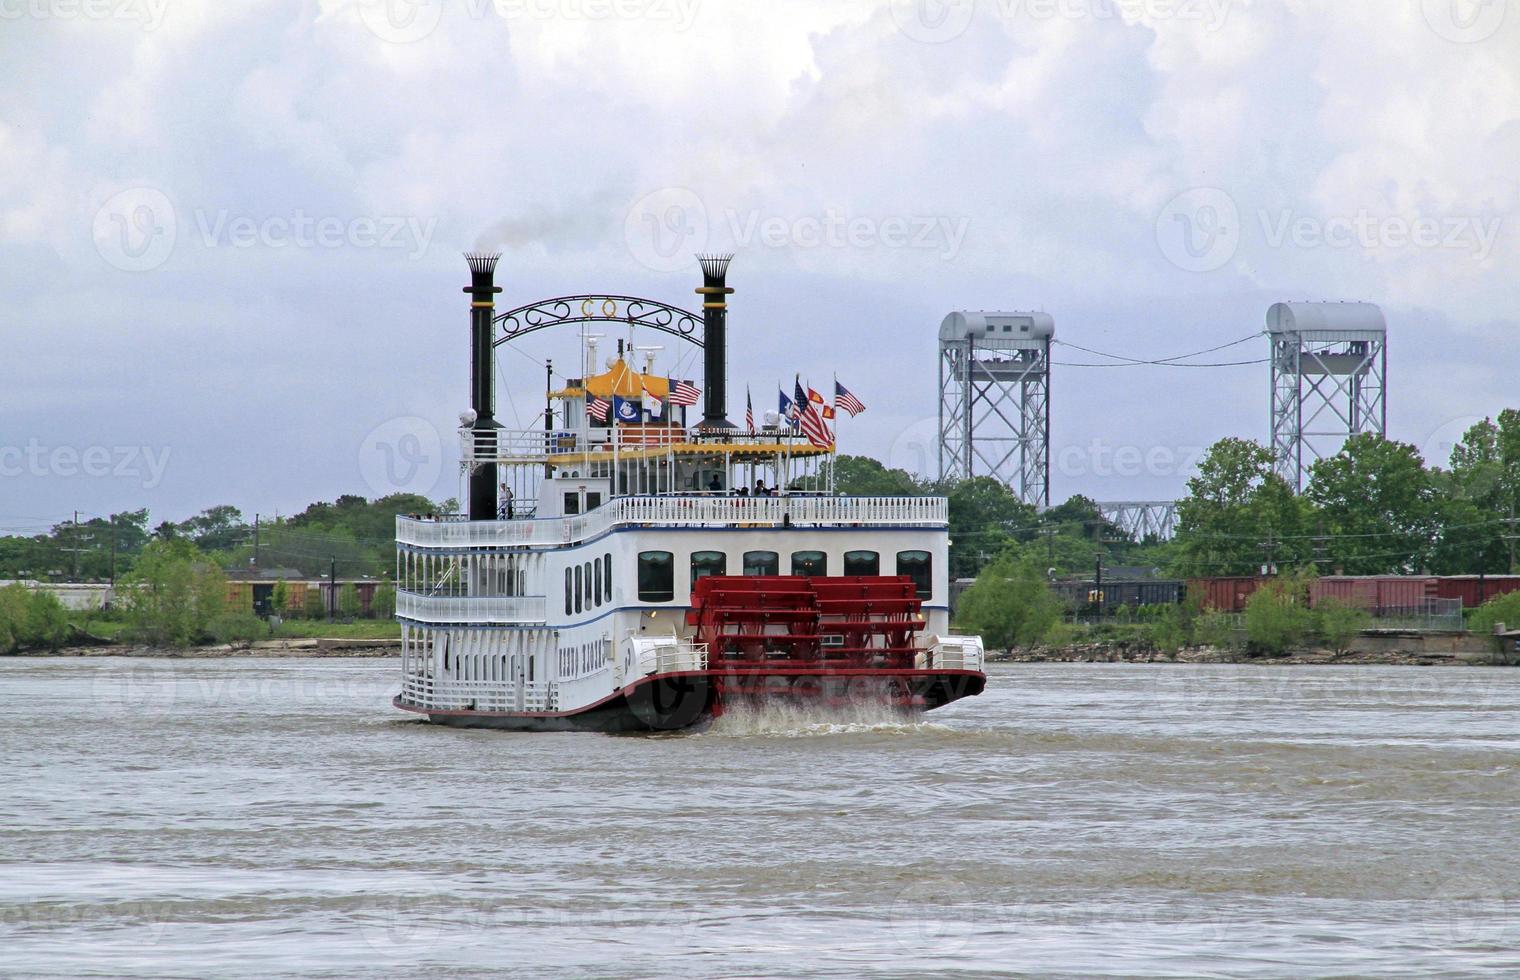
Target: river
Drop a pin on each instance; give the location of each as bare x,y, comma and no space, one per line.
278,817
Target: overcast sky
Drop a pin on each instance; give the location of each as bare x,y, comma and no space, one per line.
230,232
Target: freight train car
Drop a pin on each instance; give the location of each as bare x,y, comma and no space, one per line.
1474,590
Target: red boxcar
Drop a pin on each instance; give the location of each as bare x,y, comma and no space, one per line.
1474,591
1227,594
1374,592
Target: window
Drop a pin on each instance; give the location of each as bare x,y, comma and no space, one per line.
607,573
598,576
589,604
762,563
810,563
657,576
862,563
917,566
705,563
569,592
572,503
593,499
577,588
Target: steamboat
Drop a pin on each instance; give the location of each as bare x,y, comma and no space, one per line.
621,570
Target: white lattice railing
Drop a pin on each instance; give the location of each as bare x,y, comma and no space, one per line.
694,510
471,609
451,695
951,653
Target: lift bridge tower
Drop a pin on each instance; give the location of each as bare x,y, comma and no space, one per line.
994,400
1329,380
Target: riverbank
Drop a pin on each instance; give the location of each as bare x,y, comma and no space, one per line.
295,647
1421,655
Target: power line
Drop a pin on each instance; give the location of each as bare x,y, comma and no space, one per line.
1125,360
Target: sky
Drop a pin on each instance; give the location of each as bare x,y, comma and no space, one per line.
231,232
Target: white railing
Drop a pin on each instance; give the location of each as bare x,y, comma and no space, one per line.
951,653
471,609
694,510
450,695
666,654
519,445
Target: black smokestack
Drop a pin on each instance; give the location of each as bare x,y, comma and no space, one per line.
482,290
714,293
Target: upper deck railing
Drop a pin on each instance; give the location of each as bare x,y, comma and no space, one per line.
696,510
538,445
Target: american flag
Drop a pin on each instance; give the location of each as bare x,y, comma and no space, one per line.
813,425
684,393
598,408
749,411
843,399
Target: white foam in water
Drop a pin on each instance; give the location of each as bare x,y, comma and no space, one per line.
788,719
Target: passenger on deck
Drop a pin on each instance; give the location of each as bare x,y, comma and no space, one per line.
760,490
715,485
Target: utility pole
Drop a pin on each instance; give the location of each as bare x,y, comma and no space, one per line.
1270,547
1049,532
1321,544
1098,582
113,553
1510,535
74,550
332,589
255,541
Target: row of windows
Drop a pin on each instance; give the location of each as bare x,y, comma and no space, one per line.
657,569
588,585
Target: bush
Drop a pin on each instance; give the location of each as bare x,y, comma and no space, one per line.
1168,634
1500,609
315,608
279,599
173,595
1278,617
31,620
383,603
1338,623
1010,605
237,628
1217,629
348,601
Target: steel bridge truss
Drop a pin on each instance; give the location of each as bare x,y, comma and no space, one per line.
1142,519
994,416
1326,387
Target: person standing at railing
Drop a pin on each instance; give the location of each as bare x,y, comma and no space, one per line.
504,506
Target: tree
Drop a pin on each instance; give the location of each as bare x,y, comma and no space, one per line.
1338,623
1010,604
216,528
348,600
31,619
1237,510
383,603
1278,617
280,598
1378,503
985,517
314,607
173,594
862,476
